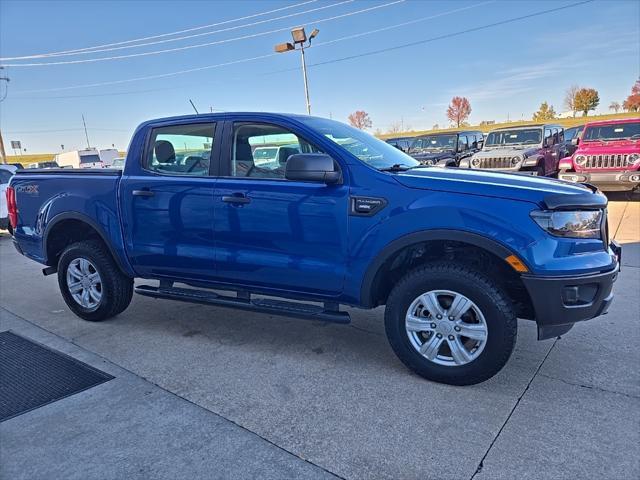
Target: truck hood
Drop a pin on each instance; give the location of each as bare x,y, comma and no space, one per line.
489,184
608,148
523,151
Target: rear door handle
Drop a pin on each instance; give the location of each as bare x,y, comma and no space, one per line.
237,199
142,193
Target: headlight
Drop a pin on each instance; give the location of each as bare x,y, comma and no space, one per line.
633,158
427,162
515,160
580,159
475,162
576,224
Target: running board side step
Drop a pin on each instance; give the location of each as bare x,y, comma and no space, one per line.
329,313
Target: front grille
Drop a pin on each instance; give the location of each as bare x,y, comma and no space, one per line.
605,161
495,162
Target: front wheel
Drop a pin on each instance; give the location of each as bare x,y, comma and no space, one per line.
451,324
91,283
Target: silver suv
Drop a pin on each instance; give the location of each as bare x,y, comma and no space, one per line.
529,149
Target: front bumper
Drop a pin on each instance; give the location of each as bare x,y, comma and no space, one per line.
560,302
607,181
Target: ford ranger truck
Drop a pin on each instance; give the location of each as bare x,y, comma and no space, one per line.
529,150
608,156
455,256
445,149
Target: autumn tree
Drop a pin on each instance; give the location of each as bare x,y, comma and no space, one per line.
360,119
459,110
586,99
632,103
615,106
545,112
570,98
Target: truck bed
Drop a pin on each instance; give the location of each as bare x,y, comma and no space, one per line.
48,197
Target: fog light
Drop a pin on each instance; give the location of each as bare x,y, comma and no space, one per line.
575,295
574,178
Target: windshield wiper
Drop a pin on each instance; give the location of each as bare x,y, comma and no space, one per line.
401,168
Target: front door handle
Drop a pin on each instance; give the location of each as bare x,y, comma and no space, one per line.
142,193
237,199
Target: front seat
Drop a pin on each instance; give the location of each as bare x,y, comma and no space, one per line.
244,157
165,153
284,153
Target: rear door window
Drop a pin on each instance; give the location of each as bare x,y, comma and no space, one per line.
181,149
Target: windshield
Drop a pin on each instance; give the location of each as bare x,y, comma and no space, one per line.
612,132
367,148
571,133
531,136
435,142
89,159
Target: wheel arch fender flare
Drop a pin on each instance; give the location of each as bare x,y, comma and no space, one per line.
480,241
61,217
535,160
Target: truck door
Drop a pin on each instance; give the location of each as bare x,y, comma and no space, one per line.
167,202
270,231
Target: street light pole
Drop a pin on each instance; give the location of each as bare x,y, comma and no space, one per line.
306,84
300,42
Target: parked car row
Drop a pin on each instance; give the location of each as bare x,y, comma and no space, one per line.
604,153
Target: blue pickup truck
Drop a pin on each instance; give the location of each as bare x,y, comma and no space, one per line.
333,217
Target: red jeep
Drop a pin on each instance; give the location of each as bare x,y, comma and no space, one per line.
608,155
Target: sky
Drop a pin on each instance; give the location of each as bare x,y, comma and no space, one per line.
400,61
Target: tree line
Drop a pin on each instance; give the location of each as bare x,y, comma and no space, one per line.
577,100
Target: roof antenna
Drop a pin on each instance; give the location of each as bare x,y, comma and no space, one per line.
194,107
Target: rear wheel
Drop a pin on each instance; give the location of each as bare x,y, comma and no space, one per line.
451,324
91,283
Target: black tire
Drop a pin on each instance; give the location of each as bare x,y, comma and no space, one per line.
486,294
117,288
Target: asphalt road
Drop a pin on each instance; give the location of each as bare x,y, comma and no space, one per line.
203,392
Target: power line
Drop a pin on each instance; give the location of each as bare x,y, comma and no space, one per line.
454,34
233,62
66,52
351,57
236,27
200,45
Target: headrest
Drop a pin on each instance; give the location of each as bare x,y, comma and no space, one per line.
165,152
284,153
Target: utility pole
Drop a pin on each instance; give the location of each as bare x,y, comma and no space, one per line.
85,131
300,42
3,154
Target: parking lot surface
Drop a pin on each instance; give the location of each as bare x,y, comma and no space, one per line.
205,392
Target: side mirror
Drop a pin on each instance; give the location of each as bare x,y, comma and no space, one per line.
575,141
312,167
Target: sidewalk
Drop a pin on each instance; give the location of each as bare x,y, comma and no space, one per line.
128,428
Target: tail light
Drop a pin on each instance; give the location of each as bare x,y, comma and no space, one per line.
12,207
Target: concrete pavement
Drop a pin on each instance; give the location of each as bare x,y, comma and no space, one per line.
332,395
